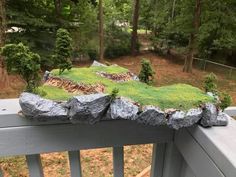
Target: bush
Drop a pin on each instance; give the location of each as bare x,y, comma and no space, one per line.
63,50
93,54
146,74
114,93
225,101
20,60
210,83
116,50
117,42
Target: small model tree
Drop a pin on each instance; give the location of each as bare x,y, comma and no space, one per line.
225,100
63,50
20,60
210,83
146,74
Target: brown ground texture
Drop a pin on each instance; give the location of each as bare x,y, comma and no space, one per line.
98,163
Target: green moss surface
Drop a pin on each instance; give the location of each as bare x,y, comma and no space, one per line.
179,96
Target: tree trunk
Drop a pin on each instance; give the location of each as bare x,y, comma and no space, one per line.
192,40
134,37
173,10
101,31
4,82
57,4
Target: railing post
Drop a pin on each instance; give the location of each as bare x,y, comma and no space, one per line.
118,161
34,165
173,161
75,165
204,67
230,72
158,156
166,160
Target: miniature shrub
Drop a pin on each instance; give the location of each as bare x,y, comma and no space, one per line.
114,93
63,50
210,83
146,74
225,101
20,60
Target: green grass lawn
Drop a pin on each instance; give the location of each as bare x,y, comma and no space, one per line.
180,96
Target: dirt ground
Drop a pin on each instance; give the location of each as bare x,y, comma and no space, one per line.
99,162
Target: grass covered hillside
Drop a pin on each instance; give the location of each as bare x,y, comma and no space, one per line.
180,96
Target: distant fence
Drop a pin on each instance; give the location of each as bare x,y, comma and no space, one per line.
207,65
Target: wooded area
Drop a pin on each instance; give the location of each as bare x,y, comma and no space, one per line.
109,29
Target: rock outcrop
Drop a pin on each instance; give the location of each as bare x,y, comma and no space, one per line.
88,108
152,116
180,119
93,108
41,109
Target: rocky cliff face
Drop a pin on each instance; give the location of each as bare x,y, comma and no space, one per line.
93,108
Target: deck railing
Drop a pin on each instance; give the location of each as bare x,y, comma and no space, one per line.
190,152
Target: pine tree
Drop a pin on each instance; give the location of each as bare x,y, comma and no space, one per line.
63,50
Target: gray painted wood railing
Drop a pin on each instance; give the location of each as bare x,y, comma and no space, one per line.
192,152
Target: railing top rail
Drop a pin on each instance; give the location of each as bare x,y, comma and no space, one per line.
220,144
20,135
219,64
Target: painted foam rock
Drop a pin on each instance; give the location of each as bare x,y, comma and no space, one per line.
222,119
35,107
152,116
122,108
88,108
96,63
209,115
180,119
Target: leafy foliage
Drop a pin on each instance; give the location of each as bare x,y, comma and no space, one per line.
146,74
117,42
114,93
19,59
225,101
210,83
63,50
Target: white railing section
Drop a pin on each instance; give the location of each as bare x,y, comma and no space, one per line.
192,152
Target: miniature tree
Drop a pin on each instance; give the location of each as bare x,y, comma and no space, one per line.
114,93
225,101
63,50
146,74
20,60
210,83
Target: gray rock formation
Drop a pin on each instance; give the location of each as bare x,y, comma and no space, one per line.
209,115
222,119
152,116
180,119
88,108
95,63
122,108
35,107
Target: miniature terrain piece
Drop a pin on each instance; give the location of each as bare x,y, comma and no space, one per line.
178,96
83,95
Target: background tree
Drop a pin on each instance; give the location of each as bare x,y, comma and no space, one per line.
134,38
20,60
63,48
193,37
101,30
4,82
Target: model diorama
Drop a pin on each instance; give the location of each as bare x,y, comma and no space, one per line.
101,92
